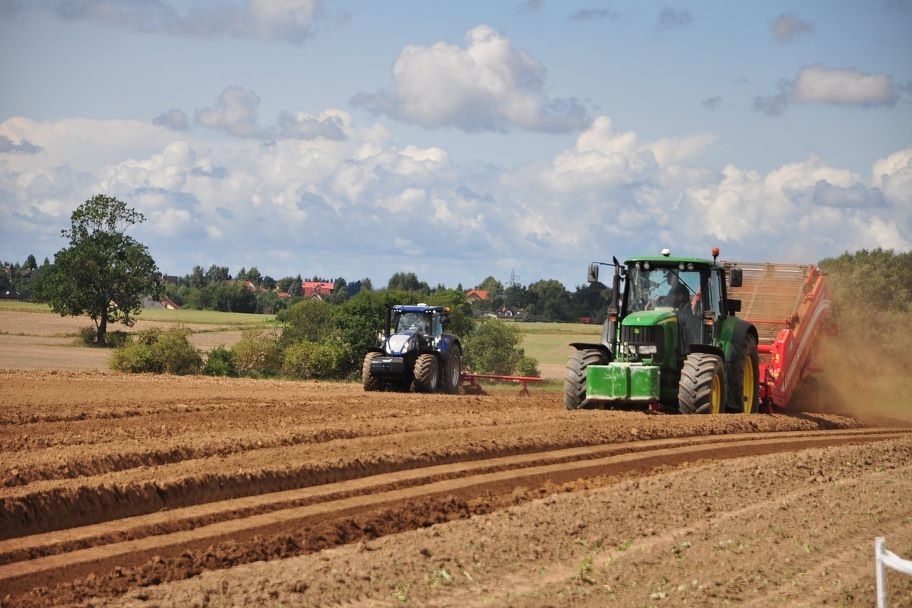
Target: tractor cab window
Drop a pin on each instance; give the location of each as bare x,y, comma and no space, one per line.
412,321
437,323
662,288
714,301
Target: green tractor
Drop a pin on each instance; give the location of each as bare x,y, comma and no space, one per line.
671,342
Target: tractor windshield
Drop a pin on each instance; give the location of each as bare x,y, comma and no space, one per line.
413,321
658,288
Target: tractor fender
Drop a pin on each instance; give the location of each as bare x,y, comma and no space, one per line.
740,329
445,346
589,346
708,349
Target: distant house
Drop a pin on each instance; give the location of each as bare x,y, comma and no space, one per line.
476,295
316,289
165,302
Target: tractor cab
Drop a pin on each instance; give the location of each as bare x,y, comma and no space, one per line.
425,322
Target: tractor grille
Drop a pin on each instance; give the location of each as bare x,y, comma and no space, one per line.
636,334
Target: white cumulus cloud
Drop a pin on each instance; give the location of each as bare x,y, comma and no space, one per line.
488,85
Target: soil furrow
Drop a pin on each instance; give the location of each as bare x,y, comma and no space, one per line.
98,561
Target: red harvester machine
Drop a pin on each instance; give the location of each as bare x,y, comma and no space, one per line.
789,304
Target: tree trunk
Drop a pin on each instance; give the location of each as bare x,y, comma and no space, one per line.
102,330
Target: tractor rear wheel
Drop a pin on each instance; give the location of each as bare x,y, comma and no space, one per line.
702,386
370,381
453,373
575,375
745,371
427,374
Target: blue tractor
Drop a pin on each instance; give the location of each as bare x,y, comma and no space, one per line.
415,353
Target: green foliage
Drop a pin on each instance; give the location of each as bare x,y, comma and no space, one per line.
115,339
87,335
307,359
104,273
461,320
159,352
493,347
135,358
258,353
360,319
868,281
528,366
311,320
407,281
220,362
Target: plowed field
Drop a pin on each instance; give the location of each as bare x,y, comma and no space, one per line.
157,491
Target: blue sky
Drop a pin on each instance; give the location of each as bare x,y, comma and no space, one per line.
458,140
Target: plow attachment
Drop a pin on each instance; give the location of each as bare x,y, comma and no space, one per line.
789,304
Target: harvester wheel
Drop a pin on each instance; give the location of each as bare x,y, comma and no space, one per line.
745,373
453,373
702,386
370,381
575,375
427,373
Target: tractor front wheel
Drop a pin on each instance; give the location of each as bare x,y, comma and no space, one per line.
370,381
427,374
702,386
575,375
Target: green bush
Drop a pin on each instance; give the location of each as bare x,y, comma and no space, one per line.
493,347
156,351
116,339
176,353
257,354
220,362
306,359
87,335
135,358
528,366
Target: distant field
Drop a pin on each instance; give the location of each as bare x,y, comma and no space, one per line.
31,336
549,342
207,317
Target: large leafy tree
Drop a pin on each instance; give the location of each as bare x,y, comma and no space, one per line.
104,273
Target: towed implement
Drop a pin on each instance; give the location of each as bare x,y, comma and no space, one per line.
790,306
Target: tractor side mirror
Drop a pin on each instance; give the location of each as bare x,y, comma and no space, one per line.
733,306
737,277
592,274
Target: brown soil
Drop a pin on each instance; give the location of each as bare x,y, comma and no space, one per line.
120,490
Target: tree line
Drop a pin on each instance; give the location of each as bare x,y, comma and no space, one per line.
107,274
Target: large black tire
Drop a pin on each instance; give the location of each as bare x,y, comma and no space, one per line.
370,381
453,372
701,389
575,375
427,374
745,378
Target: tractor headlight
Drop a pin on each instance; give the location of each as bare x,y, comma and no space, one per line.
647,349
